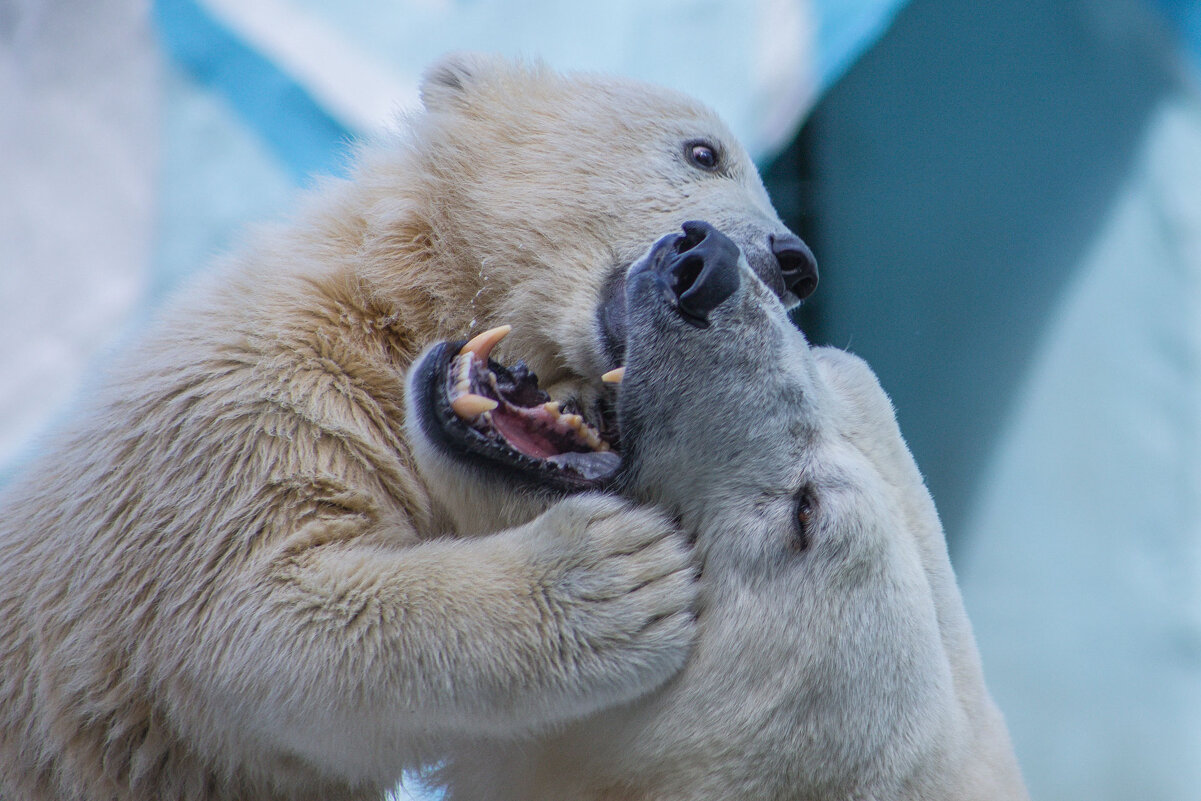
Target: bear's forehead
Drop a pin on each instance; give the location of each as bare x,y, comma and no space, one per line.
606,97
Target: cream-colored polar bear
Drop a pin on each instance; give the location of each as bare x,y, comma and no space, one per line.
834,659
228,580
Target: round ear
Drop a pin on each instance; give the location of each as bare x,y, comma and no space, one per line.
448,82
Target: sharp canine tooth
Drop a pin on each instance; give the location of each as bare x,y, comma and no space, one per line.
471,405
482,344
614,376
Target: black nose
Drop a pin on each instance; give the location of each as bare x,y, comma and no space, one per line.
697,270
797,265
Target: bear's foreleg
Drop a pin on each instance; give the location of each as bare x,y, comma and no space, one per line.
345,653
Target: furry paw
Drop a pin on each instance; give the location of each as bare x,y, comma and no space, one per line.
619,583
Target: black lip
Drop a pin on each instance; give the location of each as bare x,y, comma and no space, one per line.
457,439
611,316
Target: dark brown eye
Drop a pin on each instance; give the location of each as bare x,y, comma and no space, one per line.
702,155
806,510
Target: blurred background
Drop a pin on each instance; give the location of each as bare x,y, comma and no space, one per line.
1004,197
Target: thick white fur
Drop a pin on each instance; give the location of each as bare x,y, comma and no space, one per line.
228,579
838,664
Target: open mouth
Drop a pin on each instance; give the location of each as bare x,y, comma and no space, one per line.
498,414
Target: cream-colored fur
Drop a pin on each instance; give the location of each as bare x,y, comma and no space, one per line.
834,660
227,579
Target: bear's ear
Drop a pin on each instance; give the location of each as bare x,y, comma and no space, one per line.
448,81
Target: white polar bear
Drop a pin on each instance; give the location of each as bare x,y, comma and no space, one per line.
227,580
835,659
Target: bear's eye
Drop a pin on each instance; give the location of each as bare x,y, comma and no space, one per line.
806,509
702,155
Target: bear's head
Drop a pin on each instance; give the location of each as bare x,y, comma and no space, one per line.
538,190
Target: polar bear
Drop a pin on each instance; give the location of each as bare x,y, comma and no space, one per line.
834,659
228,578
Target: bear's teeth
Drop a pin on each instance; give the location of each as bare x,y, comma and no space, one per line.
482,344
574,422
470,405
594,442
614,376
584,431
463,371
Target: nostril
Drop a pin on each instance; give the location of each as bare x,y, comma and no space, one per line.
695,232
688,268
797,264
691,255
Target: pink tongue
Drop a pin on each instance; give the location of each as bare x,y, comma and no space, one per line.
516,429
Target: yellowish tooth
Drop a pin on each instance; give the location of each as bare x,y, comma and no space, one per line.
463,372
471,405
553,408
573,420
614,376
482,344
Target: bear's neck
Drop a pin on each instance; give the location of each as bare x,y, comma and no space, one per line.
394,272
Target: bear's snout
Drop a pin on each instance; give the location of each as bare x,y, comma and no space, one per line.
696,271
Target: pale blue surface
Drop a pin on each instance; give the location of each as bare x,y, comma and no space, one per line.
216,170
1083,568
